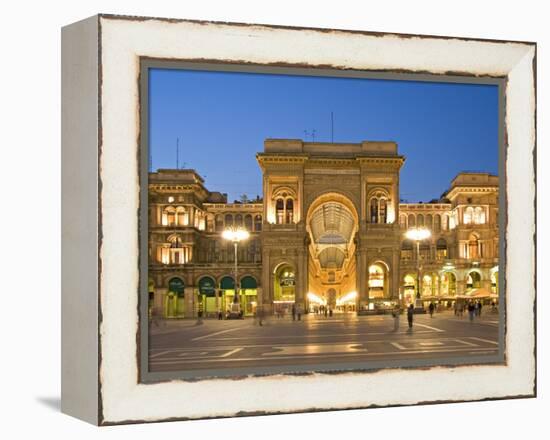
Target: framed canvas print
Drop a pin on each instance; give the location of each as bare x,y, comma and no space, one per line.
263,219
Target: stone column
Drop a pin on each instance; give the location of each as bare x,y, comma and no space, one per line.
190,302
302,280
267,284
361,279
395,281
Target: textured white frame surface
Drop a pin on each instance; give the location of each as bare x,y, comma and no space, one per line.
123,41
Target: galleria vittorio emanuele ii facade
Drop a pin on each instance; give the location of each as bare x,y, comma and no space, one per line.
329,230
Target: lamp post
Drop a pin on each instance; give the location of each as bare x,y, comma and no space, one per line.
417,235
235,235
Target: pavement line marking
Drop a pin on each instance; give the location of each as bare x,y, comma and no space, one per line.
431,328
398,346
198,338
229,353
151,356
466,343
484,340
429,344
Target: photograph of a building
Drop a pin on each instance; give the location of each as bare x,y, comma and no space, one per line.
294,221
330,232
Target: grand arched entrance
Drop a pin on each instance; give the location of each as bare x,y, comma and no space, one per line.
331,224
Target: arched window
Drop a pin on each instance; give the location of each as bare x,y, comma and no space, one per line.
248,222
468,215
374,210
219,223
228,220
383,211
445,222
403,221
437,223
429,222
238,221
280,210
258,223
169,216
378,208
289,211
441,249
420,220
425,250
183,217
412,221
479,215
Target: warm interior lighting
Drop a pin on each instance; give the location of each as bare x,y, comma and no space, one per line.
348,297
418,234
315,299
235,234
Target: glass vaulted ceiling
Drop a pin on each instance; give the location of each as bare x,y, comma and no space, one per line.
332,226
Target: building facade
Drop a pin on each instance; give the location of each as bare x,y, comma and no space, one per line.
328,231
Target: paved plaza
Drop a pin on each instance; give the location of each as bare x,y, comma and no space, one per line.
178,345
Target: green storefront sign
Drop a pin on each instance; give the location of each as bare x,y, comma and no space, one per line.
176,286
207,286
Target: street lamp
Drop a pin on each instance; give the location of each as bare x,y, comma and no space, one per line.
235,235
417,235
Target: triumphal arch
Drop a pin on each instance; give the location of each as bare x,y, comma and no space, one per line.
330,234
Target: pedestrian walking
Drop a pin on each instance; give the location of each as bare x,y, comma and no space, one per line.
330,312
471,311
479,309
410,314
431,308
293,312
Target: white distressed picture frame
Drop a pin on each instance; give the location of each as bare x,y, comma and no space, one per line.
101,195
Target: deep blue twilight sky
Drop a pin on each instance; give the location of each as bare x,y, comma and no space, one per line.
222,119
